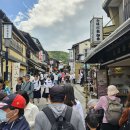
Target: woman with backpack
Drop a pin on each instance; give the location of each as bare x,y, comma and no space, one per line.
110,101
126,112
71,101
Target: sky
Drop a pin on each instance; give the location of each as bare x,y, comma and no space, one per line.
58,24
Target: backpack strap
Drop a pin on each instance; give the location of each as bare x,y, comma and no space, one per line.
48,112
68,113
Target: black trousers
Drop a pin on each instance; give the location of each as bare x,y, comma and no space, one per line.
107,126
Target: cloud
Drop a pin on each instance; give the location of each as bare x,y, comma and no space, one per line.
47,12
59,24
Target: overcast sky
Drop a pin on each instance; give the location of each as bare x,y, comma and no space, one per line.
58,24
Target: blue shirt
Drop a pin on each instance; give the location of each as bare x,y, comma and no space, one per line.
19,124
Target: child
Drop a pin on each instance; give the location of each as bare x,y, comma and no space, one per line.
91,122
7,89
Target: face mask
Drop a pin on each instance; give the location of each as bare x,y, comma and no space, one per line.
2,116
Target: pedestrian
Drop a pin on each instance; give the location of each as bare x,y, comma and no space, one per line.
52,115
19,83
124,117
2,86
7,89
59,77
30,110
55,78
31,77
37,89
71,101
81,79
52,77
92,122
47,85
12,113
73,76
2,95
67,78
28,86
41,78
111,117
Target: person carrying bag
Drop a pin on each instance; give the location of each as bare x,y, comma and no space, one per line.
126,126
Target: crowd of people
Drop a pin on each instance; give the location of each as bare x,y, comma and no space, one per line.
62,111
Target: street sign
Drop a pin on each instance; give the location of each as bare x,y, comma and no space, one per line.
7,31
96,30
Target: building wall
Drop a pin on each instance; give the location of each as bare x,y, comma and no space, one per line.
121,15
83,46
78,67
114,15
19,55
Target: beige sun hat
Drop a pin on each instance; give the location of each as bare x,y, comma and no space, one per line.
112,90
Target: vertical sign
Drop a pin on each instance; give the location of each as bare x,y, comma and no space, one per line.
41,56
15,74
71,55
7,31
96,30
101,83
126,9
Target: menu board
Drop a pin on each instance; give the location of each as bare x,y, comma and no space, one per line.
101,83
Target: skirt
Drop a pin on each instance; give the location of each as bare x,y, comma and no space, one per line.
45,95
37,94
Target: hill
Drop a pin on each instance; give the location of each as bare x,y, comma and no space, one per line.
59,55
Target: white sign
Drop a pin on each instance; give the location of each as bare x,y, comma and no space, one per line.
71,56
61,66
15,74
51,62
41,56
96,30
7,31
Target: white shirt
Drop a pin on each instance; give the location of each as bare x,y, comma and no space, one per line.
48,84
41,77
55,77
79,108
30,113
31,78
73,75
37,85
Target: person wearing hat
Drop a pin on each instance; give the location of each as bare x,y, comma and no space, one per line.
12,113
56,109
103,103
28,86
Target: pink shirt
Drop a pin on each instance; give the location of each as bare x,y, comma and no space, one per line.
103,104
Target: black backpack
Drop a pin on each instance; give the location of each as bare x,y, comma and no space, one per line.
60,123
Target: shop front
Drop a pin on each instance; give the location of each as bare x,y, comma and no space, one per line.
113,55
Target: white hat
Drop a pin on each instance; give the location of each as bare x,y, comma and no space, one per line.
112,90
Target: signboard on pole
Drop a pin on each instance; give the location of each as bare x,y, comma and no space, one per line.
7,31
15,74
96,31
71,56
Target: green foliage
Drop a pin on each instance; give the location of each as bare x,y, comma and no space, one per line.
59,55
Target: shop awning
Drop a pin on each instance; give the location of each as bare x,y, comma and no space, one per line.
120,31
